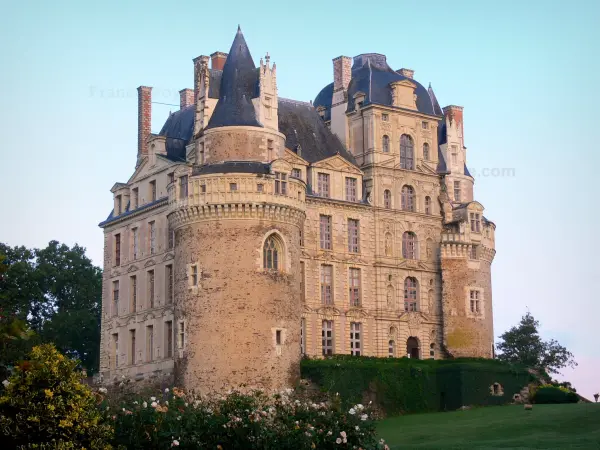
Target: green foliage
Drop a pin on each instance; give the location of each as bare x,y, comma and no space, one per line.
554,394
407,385
254,421
523,344
45,403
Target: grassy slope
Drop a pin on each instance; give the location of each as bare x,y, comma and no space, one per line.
546,426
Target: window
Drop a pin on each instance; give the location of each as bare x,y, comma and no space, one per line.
323,184
194,275
325,232
135,239
153,191
203,188
385,117
406,152
117,249
297,173
149,343
385,143
233,187
475,222
353,236
132,347
473,252
391,349
351,189
132,294
183,187
457,191
169,339
303,336
260,187
474,297
354,283
171,177
387,199
355,346
302,281
151,288
169,282
425,125
410,294
427,205
426,151
119,205
170,238
280,183
181,335
327,337
408,198
277,337
201,152
431,351
135,198
409,245
270,147
152,227
115,349
272,253
115,296
326,291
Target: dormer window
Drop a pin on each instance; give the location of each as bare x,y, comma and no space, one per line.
359,99
135,198
153,191
119,205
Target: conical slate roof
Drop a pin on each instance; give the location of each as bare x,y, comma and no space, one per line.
239,85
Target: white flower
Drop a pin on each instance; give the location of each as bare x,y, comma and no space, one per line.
101,390
343,434
135,402
338,441
123,409
360,407
154,404
152,398
357,428
329,433
144,405
178,417
167,402
166,392
352,411
175,443
6,383
364,417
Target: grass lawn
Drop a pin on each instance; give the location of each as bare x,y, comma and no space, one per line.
546,426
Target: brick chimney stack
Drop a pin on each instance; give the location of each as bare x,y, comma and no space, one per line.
342,66
408,73
202,59
217,60
144,119
186,98
455,114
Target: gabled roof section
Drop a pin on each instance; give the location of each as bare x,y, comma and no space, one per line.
239,85
117,186
336,162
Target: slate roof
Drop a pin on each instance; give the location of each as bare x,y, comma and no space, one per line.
178,131
434,102
324,98
232,167
111,217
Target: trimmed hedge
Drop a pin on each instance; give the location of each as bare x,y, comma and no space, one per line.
403,385
552,394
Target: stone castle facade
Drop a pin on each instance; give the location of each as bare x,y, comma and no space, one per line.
257,229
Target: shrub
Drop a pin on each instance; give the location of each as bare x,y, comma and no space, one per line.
45,404
253,421
553,394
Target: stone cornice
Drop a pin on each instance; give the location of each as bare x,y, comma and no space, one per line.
335,202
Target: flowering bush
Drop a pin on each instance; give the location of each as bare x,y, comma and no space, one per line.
253,421
45,404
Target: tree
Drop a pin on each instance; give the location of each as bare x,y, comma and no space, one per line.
523,344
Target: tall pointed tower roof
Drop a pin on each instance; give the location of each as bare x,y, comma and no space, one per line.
436,106
239,85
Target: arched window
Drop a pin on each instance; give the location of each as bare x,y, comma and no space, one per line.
406,152
272,253
409,245
385,143
426,151
408,198
427,205
412,348
410,294
392,349
387,199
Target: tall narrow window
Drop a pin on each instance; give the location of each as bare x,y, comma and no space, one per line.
351,189
194,275
354,283
385,143
353,236
280,183
119,205
183,187
303,336
151,288
115,296
387,199
153,191
133,294
152,233
325,232
391,349
149,343
406,152
169,339
410,294
135,198
475,306
201,151
171,177
115,349
431,351
132,347
170,238
426,151
301,234
302,281
271,253
427,205
355,338
169,283
408,198
323,184
409,245
326,287
473,252
475,222
135,238
117,249
457,191
327,337
181,335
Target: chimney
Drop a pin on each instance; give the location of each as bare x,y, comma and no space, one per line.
144,118
186,98
202,59
408,73
217,60
342,66
455,114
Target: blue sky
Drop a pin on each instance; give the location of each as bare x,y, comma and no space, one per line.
526,73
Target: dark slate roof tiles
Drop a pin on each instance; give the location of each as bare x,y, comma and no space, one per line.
178,131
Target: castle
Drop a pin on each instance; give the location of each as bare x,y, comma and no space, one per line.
257,229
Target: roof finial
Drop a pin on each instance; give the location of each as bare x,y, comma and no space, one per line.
267,58
430,85
239,28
